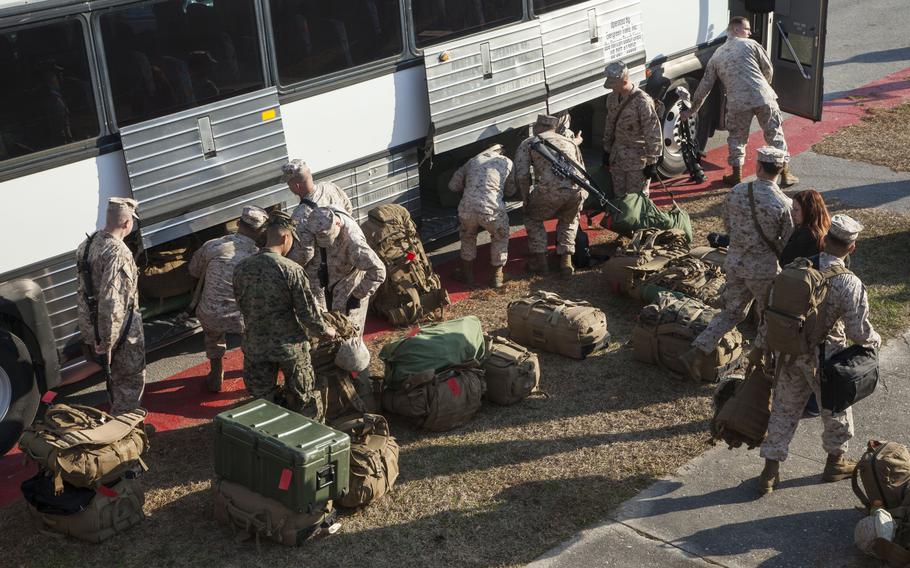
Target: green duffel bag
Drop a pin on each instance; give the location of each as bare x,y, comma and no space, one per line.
433,348
636,211
439,402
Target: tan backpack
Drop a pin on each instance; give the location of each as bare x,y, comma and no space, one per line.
742,408
666,329
412,291
884,470
85,446
647,252
543,320
512,373
794,316
374,459
686,275
111,511
438,402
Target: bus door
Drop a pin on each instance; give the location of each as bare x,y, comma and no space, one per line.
484,84
580,40
798,56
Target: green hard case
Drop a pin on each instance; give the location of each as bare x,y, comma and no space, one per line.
282,455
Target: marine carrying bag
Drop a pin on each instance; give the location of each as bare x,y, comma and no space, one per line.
253,516
647,252
544,320
112,510
883,474
374,459
411,291
441,401
666,330
512,373
848,377
85,446
742,408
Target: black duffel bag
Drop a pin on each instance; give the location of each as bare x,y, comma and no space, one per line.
39,492
849,377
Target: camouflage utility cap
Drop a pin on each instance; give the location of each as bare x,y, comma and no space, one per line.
547,121
616,70
294,169
845,228
321,221
254,216
771,155
123,205
282,220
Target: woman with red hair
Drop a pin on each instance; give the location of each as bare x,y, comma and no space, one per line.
811,219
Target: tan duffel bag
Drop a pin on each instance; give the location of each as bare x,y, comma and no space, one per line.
666,329
511,372
545,321
111,511
438,402
647,252
374,459
742,408
253,516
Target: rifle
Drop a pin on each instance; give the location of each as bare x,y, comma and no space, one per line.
565,167
690,153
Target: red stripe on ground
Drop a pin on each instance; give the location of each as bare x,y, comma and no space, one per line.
182,400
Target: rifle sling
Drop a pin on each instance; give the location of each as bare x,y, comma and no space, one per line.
86,269
758,228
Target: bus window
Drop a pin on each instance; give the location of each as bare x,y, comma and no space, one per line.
46,97
167,56
317,37
542,6
440,20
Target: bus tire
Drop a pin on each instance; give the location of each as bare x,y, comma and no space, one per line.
668,109
19,395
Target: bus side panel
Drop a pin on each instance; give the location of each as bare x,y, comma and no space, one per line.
340,127
672,27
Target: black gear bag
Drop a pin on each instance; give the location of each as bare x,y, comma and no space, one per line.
849,377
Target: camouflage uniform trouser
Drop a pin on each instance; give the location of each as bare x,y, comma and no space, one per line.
542,204
498,227
738,297
632,181
299,393
799,379
128,370
738,123
215,334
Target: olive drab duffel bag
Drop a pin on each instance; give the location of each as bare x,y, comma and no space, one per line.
686,275
742,408
113,509
251,515
666,329
647,252
441,401
412,291
636,211
85,446
374,459
544,320
883,474
512,373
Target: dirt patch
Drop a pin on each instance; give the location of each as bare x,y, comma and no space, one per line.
504,489
882,138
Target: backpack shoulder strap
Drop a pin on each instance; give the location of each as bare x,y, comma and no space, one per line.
774,248
624,104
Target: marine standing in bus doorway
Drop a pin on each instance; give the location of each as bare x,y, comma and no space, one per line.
846,316
757,218
552,195
217,309
483,181
633,145
299,178
279,316
108,305
745,70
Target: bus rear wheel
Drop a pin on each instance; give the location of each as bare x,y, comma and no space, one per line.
673,163
18,390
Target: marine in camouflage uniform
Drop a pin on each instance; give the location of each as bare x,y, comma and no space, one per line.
846,316
216,309
745,70
751,263
280,315
297,175
633,142
551,195
354,269
117,336
483,180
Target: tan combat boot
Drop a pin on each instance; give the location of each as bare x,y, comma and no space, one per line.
735,177
787,178
565,265
837,468
770,477
216,375
537,263
465,272
496,278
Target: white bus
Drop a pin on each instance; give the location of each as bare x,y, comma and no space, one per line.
192,106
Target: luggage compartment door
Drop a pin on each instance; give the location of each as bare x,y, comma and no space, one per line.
798,55
485,84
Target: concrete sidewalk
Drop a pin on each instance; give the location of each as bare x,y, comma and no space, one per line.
707,513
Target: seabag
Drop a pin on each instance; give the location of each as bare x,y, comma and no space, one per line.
636,211
511,372
411,291
742,408
374,459
689,276
647,252
544,320
438,402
